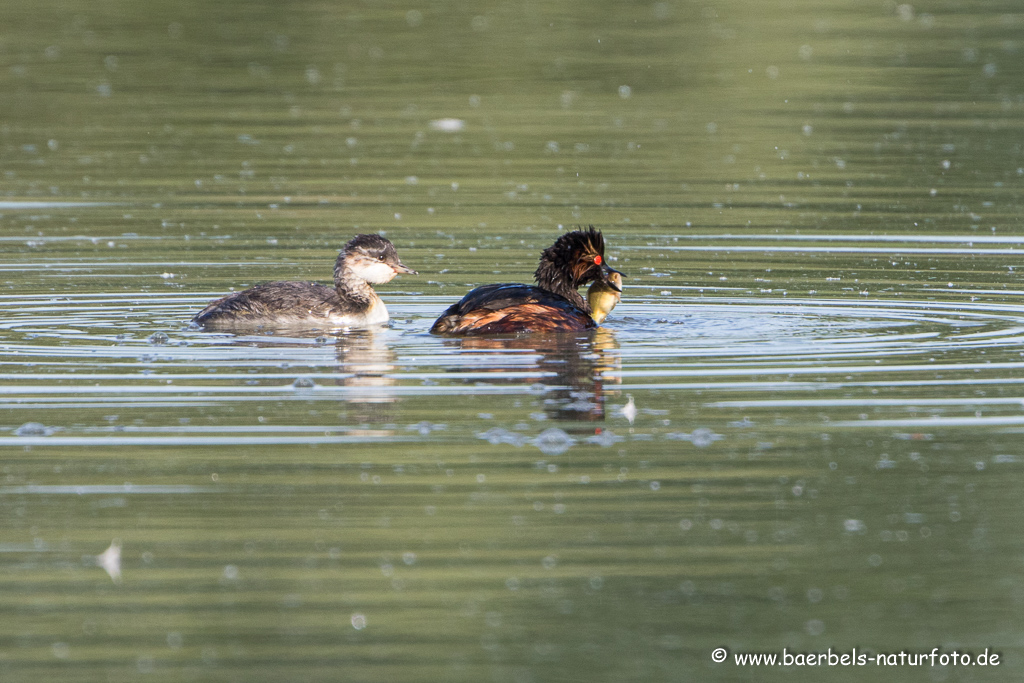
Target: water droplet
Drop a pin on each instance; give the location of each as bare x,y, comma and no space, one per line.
158,339
448,125
628,411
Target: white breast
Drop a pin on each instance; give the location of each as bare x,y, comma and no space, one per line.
376,315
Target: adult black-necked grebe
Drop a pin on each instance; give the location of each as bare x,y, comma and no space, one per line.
366,260
553,305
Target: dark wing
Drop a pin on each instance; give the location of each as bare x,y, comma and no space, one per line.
511,309
495,297
269,300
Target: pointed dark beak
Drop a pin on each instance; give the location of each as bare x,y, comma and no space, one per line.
400,268
607,270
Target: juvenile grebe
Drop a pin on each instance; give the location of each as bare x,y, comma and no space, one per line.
553,305
602,296
366,260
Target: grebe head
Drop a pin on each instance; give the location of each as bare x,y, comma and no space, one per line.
371,258
578,256
603,295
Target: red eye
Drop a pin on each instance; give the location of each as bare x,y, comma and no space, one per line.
597,259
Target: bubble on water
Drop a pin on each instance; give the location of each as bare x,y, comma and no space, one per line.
61,650
700,437
854,525
158,339
704,437
425,427
303,383
553,441
605,438
358,621
498,435
409,558
549,562
815,627
231,572
625,92
33,429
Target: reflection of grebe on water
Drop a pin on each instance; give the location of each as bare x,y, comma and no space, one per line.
366,363
574,370
363,363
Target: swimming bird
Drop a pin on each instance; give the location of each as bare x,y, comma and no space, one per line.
552,305
366,260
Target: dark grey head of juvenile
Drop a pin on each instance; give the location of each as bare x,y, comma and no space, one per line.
371,258
575,259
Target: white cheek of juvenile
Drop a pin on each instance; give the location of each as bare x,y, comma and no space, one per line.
376,273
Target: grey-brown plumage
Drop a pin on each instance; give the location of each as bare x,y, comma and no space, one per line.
365,260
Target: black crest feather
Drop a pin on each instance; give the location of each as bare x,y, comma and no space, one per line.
568,264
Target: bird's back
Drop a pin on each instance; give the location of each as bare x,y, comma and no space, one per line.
279,303
511,309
